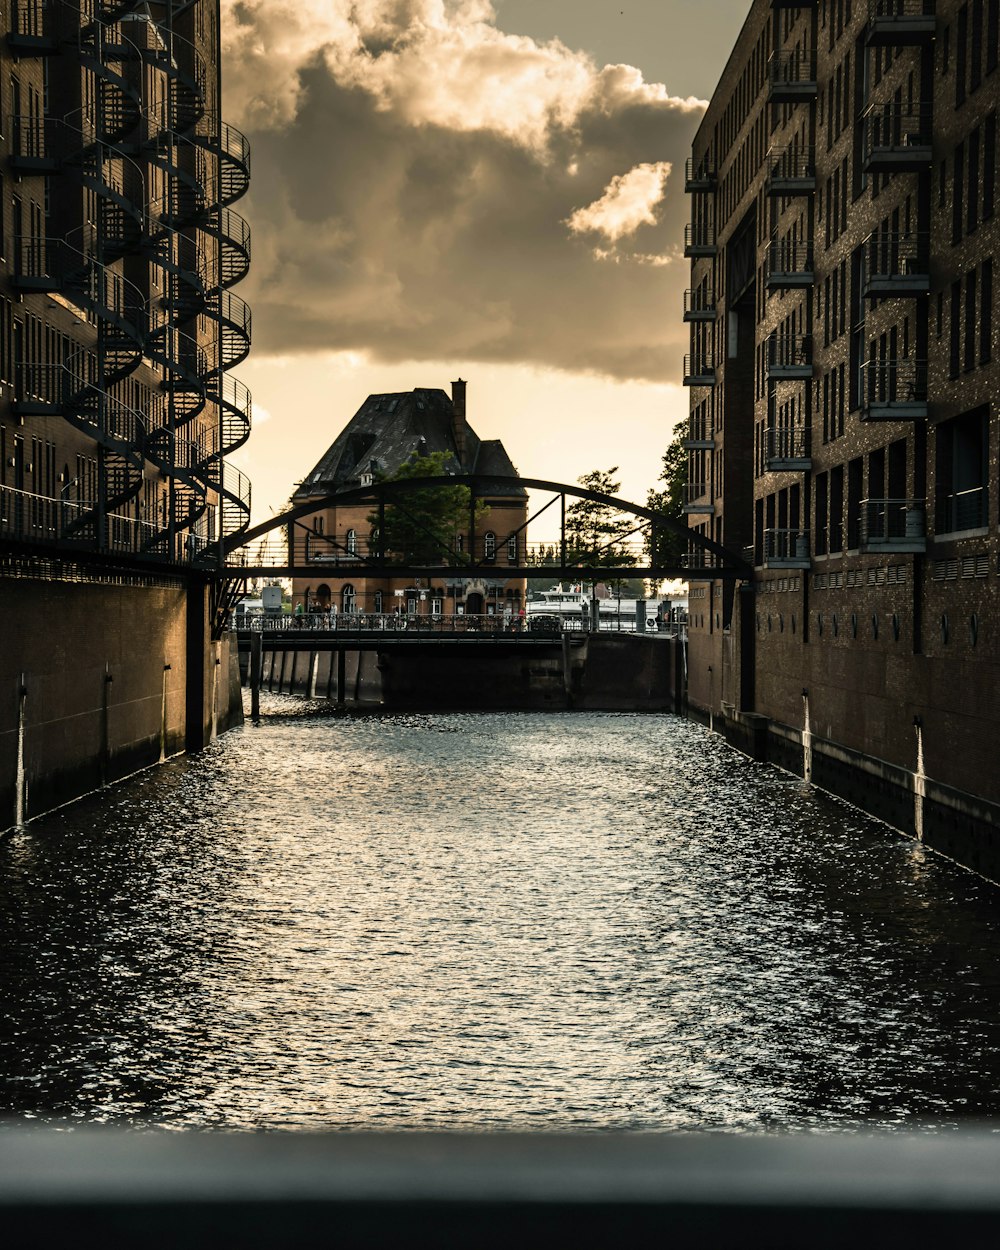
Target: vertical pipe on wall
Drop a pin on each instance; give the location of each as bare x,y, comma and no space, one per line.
20,788
163,714
106,725
919,782
216,648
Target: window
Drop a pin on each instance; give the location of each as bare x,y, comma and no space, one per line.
972,199
957,191
437,607
820,516
489,545
348,599
986,313
961,48
855,479
969,358
976,68
352,542
379,601
962,465
837,509
512,549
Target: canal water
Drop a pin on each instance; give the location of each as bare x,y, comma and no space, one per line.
534,921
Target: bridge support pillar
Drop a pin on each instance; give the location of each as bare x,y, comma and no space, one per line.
341,675
256,664
567,668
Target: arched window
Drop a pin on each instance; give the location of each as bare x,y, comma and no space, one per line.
322,597
378,601
490,545
348,599
352,544
512,549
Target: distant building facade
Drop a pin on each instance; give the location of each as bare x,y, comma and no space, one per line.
382,436
844,430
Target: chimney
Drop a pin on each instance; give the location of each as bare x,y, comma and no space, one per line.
458,426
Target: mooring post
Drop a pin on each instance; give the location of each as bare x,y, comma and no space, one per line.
256,664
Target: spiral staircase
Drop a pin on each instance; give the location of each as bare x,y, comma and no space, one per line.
150,274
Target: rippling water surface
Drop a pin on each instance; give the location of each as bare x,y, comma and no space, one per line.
492,921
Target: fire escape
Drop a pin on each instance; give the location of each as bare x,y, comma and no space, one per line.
147,249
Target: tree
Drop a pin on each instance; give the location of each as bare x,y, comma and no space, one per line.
427,526
597,533
669,500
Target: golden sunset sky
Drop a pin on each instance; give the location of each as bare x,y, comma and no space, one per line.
447,188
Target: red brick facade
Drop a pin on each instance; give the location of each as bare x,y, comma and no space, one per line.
844,379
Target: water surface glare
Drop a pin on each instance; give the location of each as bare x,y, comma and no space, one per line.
488,921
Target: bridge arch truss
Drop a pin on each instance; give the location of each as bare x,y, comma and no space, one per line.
289,546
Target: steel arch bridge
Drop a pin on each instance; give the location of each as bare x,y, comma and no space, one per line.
287,546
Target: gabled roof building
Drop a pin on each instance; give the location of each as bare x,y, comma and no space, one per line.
382,436
388,429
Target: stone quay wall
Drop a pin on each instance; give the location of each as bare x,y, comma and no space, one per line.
99,680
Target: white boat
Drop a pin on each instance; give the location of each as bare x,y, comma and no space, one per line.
573,604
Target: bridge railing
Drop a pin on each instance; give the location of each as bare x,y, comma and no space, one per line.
501,623
383,622
70,523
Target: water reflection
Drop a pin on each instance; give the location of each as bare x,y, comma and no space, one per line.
488,921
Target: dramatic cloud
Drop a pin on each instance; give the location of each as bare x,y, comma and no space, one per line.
427,186
628,203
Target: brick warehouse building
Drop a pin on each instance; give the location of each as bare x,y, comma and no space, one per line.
117,319
844,389
119,249
385,432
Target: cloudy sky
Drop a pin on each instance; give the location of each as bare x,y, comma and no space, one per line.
447,188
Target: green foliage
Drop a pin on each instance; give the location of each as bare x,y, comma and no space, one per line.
428,526
598,534
670,499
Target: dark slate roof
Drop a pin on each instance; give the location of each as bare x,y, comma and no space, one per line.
384,433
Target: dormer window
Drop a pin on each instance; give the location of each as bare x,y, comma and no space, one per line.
367,479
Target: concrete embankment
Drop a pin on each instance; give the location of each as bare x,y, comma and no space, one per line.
98,680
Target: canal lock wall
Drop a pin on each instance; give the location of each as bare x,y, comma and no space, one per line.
100,680
595,672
